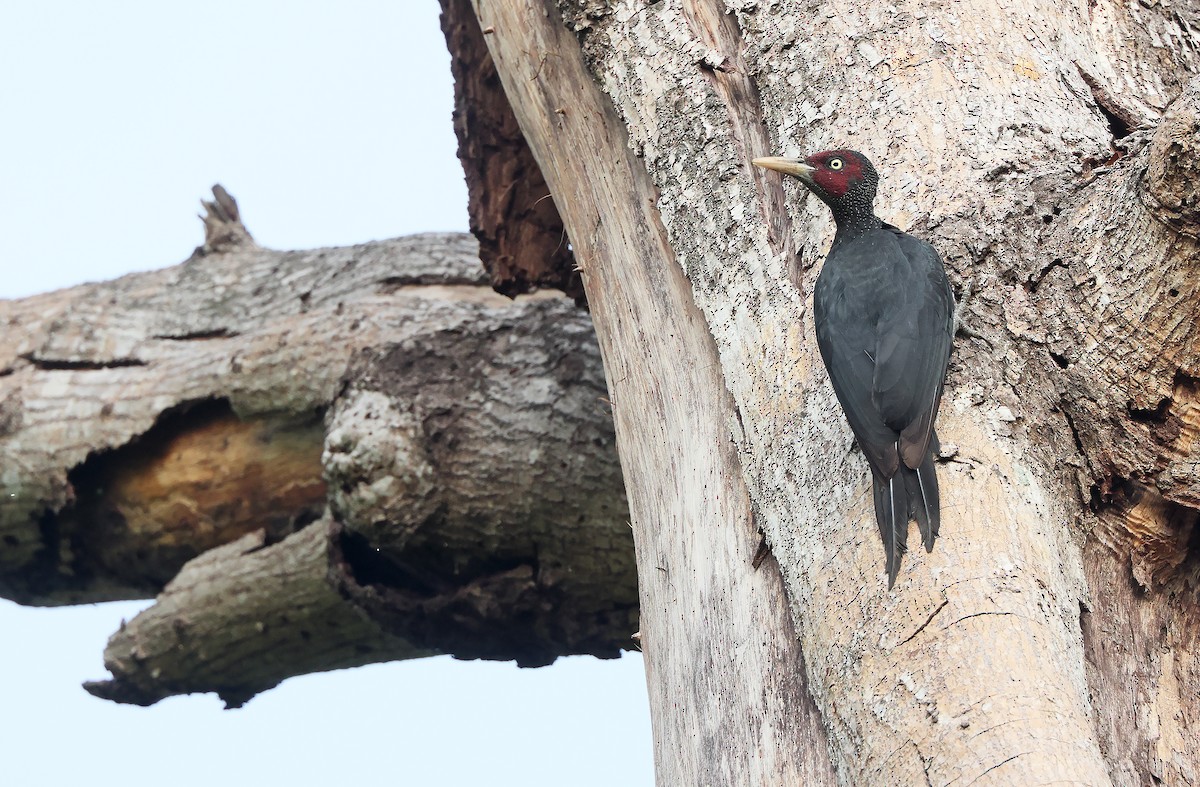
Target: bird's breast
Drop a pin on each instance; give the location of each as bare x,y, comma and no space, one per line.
866,277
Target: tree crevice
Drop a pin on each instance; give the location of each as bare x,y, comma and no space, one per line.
79,365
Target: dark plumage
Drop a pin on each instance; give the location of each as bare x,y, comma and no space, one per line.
884,316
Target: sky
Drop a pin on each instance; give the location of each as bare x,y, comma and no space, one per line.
330,124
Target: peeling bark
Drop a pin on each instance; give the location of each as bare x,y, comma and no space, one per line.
522,242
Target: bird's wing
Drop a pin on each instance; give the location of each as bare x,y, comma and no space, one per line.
847,342
914,347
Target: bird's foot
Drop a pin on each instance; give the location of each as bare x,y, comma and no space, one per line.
960,310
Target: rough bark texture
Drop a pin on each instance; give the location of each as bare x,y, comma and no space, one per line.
522,242
725,675
427,461
222,625
1045,149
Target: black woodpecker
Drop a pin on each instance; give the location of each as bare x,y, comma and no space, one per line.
884,315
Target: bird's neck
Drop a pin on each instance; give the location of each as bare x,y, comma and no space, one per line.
854,224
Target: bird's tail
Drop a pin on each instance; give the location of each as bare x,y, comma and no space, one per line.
910,494
924,504
891,512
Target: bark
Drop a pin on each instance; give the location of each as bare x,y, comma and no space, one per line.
522,243
703,605
222,625
364,453
1046,151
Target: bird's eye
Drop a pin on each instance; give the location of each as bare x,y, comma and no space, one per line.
835,164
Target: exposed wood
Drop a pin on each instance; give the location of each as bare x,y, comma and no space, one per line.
1143,660
725,675
200,477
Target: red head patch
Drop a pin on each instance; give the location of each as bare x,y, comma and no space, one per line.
837,170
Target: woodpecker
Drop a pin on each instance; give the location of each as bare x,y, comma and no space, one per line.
884,314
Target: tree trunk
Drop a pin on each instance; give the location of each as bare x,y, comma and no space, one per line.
1049,152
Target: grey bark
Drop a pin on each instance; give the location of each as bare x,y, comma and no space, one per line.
428,466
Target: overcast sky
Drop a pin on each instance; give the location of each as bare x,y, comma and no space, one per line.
330,124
